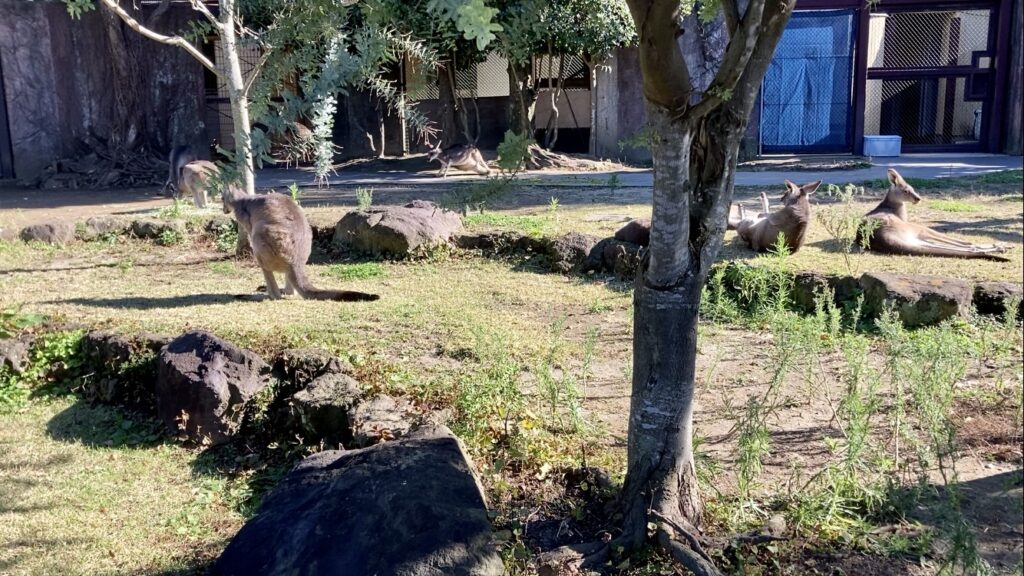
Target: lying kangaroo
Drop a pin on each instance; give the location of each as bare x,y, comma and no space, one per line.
281,241
465,157
178,158
892,232
762,231
195,180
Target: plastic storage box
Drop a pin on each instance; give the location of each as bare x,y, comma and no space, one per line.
882,145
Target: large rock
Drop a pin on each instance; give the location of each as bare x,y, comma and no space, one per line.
380,418
14,354
98,226
323,410
568,253
615,256
157,229
203,385
405,508
398,230
49,232
636,231
990,298
124,368
918,300
297,367
807,285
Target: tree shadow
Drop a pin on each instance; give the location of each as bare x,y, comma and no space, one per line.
97,265
999,229
157,303
105,426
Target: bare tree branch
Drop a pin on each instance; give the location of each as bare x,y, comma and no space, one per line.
737,54
178,41
198,6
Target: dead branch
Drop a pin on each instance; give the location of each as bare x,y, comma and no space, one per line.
178,41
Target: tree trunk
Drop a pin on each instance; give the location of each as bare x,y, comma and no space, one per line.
523,98
1015,97
239,107
453,129
592,146
128,126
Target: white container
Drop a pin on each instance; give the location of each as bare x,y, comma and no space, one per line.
882,145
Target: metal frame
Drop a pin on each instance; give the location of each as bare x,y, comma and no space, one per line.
999,34
6,149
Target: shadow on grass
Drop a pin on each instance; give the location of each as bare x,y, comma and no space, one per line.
996,228
97,265
157,303
106,427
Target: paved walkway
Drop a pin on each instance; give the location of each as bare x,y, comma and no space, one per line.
909,165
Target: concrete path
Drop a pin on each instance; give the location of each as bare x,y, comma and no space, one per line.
909,165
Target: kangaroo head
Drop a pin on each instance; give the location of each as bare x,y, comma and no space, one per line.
228,196
434,153
795,194
899,191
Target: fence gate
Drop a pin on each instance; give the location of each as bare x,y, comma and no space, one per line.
806,93
930,77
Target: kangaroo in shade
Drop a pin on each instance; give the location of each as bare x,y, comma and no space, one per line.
281,241
176,160
195,180
465,157
761,232
892,233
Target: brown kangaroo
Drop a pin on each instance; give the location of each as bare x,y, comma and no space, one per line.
762,231
892,232
465,157
281,241
195,180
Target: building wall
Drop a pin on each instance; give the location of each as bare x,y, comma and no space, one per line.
621,108
57,80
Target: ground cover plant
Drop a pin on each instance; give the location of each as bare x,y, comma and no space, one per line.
863,446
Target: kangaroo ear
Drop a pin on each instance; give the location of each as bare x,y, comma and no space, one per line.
895,178
790,185
810,188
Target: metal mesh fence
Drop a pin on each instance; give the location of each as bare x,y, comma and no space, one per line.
925,111
928,39
482,80
218,107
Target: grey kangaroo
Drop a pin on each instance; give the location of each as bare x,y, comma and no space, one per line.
891,232
281,241
178,158
465,157
195,180
762,231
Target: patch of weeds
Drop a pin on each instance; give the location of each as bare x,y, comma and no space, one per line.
225,236
958,206
295,193
125,266
845,223
599,306
55,362
364,198
170,237
178,209
359,271
13,322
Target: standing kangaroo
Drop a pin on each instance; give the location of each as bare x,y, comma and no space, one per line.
176,160
281,241
891,232
465,157
762,231
195,180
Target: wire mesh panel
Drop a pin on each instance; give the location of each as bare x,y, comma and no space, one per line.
928,39
218,107
807,88
923,111
480,80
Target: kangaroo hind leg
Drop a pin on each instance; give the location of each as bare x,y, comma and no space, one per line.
272,289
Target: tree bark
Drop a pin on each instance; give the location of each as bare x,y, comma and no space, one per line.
128,126
1015,97
453,129
523,98
239,105
592,69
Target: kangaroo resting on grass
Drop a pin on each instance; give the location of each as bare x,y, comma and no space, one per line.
465,157
762,231
892,233
281,241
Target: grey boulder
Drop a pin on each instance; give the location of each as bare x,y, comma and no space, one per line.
204,384
917,299
406,508
49,232
569,252
398,230
323,410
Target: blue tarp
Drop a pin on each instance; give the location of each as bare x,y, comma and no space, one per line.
806,91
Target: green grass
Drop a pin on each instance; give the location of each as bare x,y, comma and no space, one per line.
956,206
360,271
527,224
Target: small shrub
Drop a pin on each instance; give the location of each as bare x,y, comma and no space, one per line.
226,237
170,237
364,198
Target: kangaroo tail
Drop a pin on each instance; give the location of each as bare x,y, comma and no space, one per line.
297,278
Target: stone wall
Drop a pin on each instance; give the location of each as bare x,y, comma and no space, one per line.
58,83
